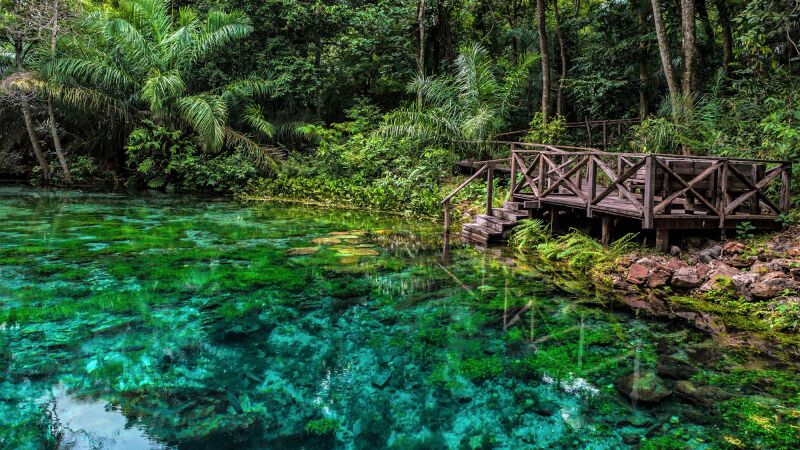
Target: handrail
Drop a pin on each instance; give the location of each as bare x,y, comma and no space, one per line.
464,184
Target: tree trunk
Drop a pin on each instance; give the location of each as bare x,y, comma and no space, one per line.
28,117
562,47
689,49
708,29
53,129
545,60
666,61
643,70
727,34
421,55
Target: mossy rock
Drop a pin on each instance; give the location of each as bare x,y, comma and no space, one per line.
326,241
355,251
301,251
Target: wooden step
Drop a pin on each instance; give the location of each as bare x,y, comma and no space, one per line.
496,223
466,236
507,214
480,230
514,206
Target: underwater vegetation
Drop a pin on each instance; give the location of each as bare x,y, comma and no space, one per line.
177,322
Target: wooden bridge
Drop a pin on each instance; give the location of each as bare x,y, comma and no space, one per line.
654,191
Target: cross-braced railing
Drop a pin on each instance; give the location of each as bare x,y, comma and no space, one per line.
650,187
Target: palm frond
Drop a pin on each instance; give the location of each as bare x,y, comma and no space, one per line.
265,157
255,118
159,87
206,114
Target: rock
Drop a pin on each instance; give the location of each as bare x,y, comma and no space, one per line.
546,408
705,396
704,352
733,248
617,283
742,262
704,321
773,284
646,387
718,270
675,264
637,274
631,438
299,251
710,254
651,304
674,368
743,280
381,378
686,278
659,277
675,251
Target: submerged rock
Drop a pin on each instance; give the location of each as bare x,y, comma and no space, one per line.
300,251
646,387
674,368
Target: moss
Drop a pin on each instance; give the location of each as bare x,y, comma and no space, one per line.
756,423
482,368
323,427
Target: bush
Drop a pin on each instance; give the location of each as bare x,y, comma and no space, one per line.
161,158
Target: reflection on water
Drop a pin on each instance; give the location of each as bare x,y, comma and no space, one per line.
91,424
164,322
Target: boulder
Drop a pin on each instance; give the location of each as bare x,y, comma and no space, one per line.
675,264
741,262
718,269
674,368
686,278
710,254
637,274
772,285
675,251
645,387
705,396
733,248
659,277
743,280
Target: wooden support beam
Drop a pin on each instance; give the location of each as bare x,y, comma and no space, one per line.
662,239
605,230
649,191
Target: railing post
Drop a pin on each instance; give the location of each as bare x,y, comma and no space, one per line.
786,191
592,184
723,194
541,177
489,188
447,218
513,172
649,191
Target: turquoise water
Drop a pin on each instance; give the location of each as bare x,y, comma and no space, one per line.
178,322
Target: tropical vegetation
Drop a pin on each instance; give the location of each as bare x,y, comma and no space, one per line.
372,102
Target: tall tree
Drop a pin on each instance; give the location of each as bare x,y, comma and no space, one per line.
641,7
562,47
666,61
50,114
727,34
421,49
21,31
689,50
545,60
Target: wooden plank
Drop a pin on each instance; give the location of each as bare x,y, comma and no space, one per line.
563,178
628,173
619,185
649,186
755,189
489,188
466,182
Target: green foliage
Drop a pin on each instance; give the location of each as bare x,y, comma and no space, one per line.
529,233
165,159
745,230
545,133
582,251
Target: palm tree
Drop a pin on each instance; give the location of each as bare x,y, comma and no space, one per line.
136,62
470,105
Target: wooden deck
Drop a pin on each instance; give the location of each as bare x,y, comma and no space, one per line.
660,192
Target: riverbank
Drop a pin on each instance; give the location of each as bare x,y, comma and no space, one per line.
744,293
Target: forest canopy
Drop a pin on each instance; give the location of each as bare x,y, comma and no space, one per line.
371,99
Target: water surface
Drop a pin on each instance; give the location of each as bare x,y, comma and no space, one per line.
177,322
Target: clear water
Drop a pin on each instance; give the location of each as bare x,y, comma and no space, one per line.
174,322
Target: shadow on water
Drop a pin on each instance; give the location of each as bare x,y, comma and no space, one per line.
176,322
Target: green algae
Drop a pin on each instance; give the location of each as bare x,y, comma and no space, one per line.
192,323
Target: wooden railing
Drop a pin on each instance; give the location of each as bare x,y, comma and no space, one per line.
485,166
651,187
